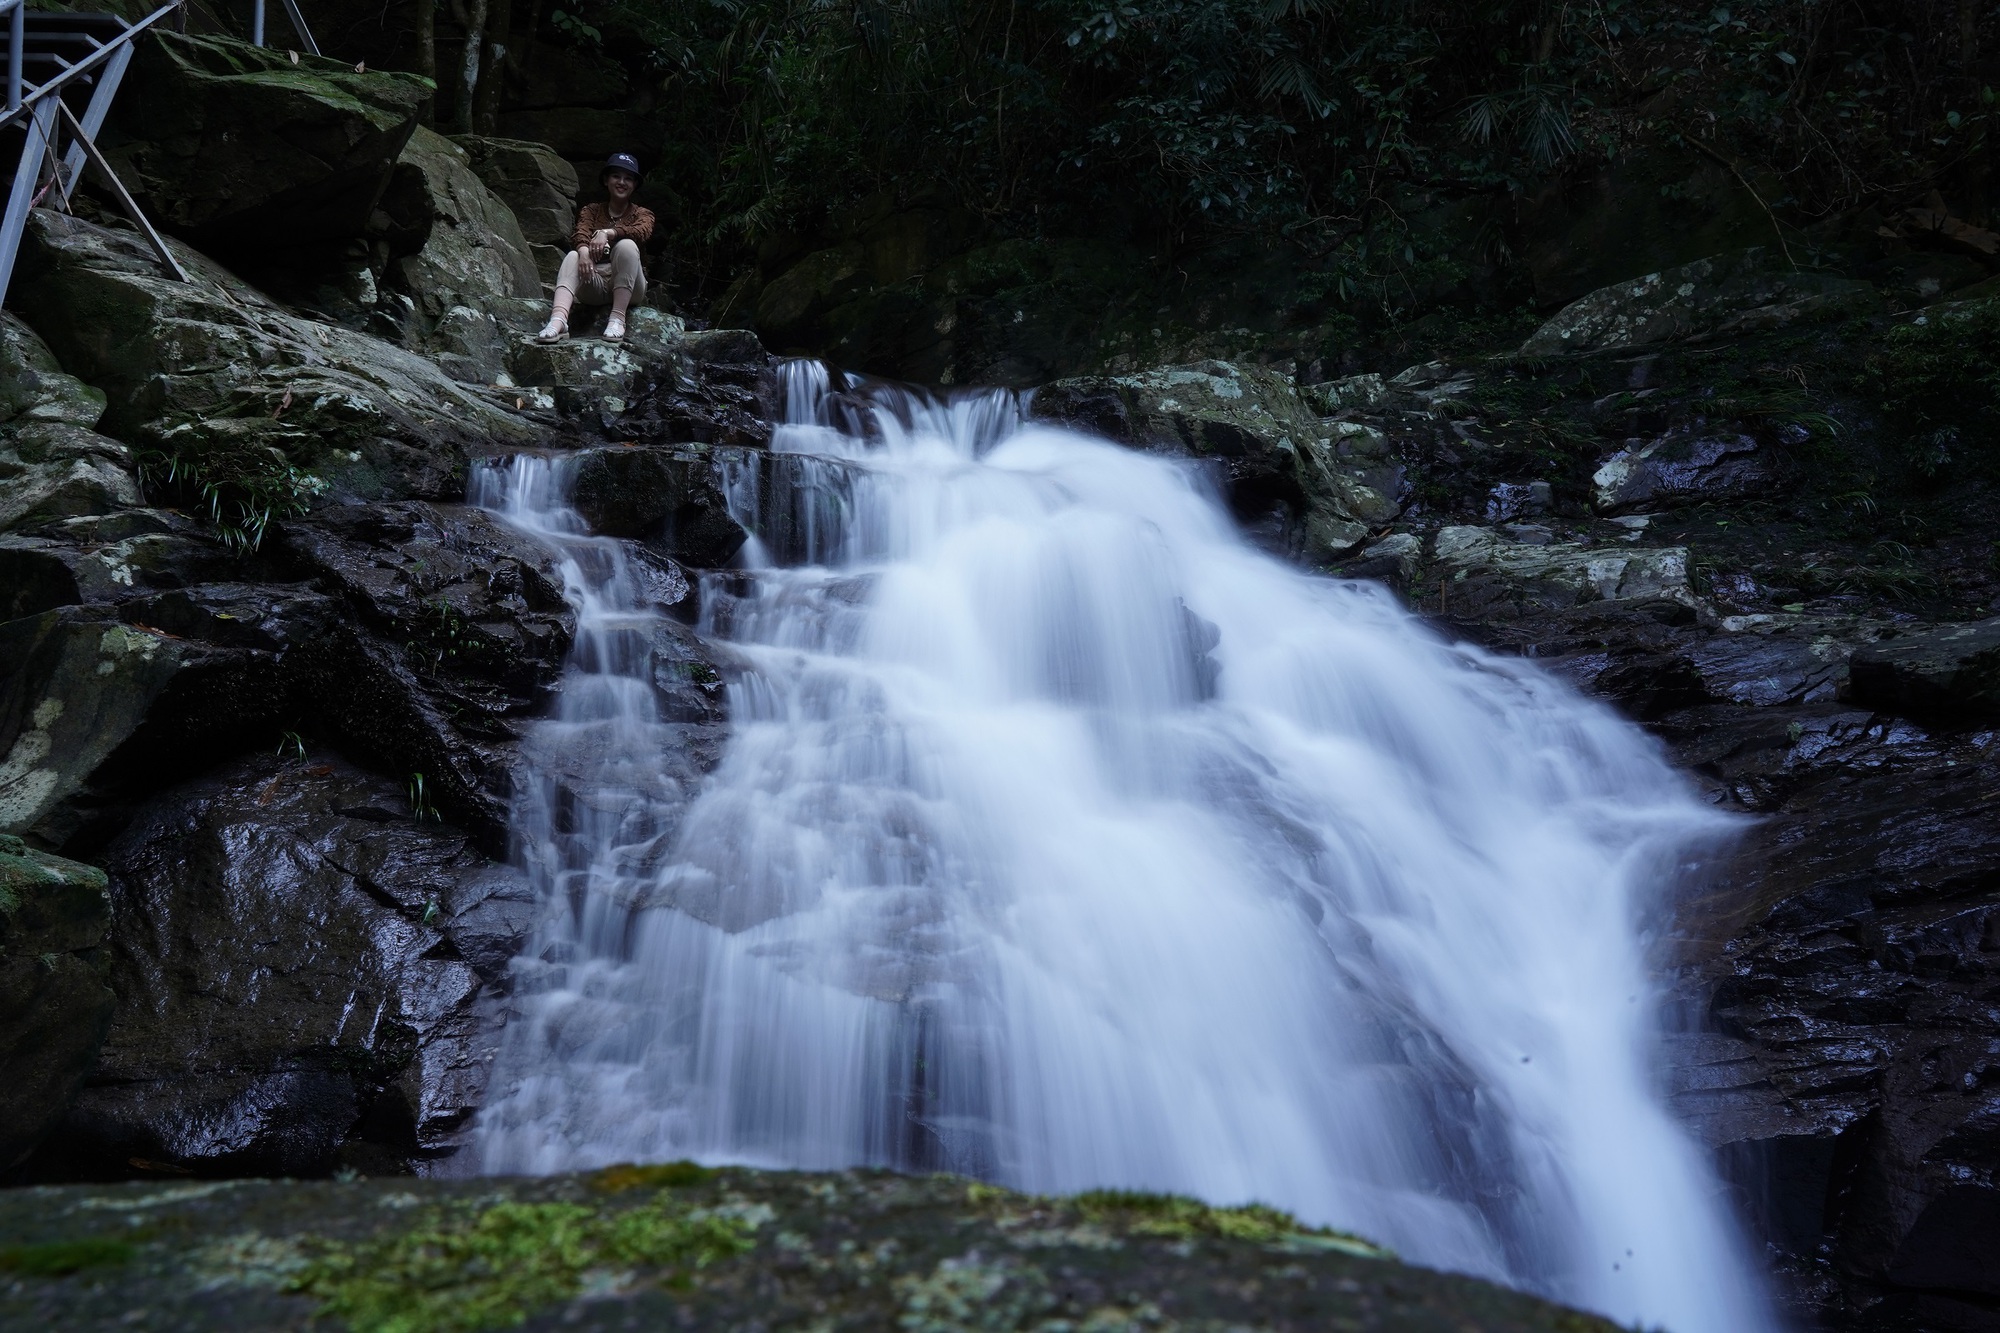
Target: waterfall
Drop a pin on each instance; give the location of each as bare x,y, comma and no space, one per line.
1064,839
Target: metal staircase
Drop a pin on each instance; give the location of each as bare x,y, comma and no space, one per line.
56,63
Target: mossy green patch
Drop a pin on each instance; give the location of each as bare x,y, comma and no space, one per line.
60,1258
659,1175
464,1270
1176,1217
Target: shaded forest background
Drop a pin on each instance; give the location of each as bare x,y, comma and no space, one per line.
1177,124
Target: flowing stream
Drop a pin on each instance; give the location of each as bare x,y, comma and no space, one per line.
1063,839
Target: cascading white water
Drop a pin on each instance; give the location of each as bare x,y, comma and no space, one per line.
1066,840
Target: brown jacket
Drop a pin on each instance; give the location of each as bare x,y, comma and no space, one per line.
636,225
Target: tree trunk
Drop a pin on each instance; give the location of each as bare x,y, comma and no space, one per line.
427,39
499,37
469,67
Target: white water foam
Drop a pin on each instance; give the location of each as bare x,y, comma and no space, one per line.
1064,839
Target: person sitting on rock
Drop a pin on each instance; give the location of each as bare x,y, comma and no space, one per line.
603,262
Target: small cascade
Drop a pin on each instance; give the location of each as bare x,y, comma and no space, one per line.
1065,840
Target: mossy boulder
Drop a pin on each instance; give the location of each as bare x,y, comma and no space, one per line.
248,148
76,684
1497,573
54,1003
259,408
471,249
1274,452
52,465
51,471
680,1246
535,182
1721,297
33,385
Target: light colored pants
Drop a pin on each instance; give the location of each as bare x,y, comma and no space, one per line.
625,270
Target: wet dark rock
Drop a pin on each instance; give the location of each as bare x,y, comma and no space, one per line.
1838,960
666,497
243,148
1725,296
1686,467
453,633
863,1249
1852,1004
1952,672
54,1004
299,957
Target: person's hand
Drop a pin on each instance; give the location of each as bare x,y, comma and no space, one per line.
603,239
584,267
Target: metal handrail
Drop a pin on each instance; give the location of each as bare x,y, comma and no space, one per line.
298,25
21,97
17,28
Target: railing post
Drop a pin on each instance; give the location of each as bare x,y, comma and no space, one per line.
17,36
257,23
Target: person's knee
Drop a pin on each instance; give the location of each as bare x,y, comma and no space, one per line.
566,275
627,250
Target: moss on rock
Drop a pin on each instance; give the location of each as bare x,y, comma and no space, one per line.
683,1246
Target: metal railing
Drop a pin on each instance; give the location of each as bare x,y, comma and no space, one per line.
298,25
38,108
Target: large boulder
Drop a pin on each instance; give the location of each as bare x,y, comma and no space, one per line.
538,185
245,148
299,948
1710,298
54,1003
271,409
1274,452
77,684
471,248
678,1245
